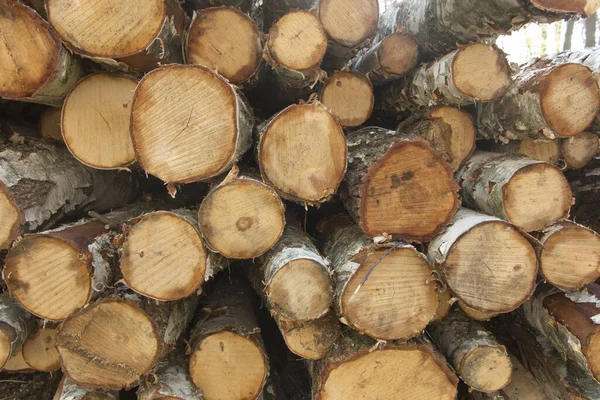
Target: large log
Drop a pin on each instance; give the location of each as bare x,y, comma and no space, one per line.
40,184
487,263
67,390
386,291
311,340
119,35
547,150
35,66
534,106
359,368
171,381
226,41
302,153
16,325
398,185
579,150
39,350
227,359
115,341
473,351
349,97
181,111
515,188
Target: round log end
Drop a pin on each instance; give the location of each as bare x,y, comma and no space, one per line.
311,339
48,277
95,121
410,193
444,305
579,150
583,7
349,22
224,40
163,257
398,54
400,373
481,71
303,153
300,290
592,354
5,344
541,149
399,298
107,28
477,315
526,199
17,363
570,257
297,41
228,366
497,280
11,219
50,124
29,52
349,97
109,345
184,123
242,219
459,141
39,351
576,83
486,369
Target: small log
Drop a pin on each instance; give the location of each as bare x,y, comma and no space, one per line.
358,367
515,188
473,352
17,363
546,150
302,153
29,386
67,390
445,302
39,350
241,218
487,263
273,10
228,360
349,97
50,124
171,381
311,340
115,341
119,36
206,115
579,150
40,184
198,5
386,291
398,185
213,42
36,67
16,324
475,314
534,106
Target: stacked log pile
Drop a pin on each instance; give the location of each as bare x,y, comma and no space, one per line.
293,199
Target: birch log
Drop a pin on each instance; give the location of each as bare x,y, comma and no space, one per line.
348,96
546,150
580,149
50,124
39,350
311,340
273,10
16,324
35,65
67,390
198,5
170,381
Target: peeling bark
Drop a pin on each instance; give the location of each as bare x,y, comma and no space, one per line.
16,325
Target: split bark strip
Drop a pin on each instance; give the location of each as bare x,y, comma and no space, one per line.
81,258
570,322
476,73
241,217
40,184
439,26
349,97
546,150
67,390
227,41
358,367
515,188
228,360
398,185
473,352
27,385
115,341
170,381
16,325
579,150
311,340
39,350
501,278
180,111
243,5
534,108
119,37
386,291
302,153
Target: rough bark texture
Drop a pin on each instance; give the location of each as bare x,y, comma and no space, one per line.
67,390
171,380
15,325
28,386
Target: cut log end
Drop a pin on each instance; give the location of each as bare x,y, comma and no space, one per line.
409,373
477,315
225,40
583,7
17,363
411,191
50,124
396,301
349,97
487,368
202,110
297,41
575,82
481,71
95,121
228,366
458,142
580,149
11,219
39,351
539,149
63,287
242,219
303,153
349,22
163,257
310,339
300,290
398,54
444,305
109,345
5,344
526,201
